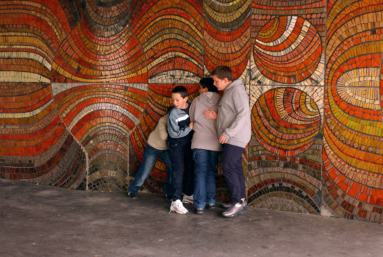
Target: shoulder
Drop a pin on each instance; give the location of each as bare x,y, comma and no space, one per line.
216,95
194,101
239,92
174,114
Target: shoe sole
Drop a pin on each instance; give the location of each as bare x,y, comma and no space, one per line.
174,210
235,214
187,201
225,208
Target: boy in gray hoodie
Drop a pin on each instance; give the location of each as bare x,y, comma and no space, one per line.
205,146
234,132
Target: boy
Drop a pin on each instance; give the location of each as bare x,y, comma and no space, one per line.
234,131
156,146
205,146
179,143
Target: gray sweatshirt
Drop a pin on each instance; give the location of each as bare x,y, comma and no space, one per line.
234,115
205,130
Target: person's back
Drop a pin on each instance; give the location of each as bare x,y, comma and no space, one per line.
205,145
155,147
159,135
205,130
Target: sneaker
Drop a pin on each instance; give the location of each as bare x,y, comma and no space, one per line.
197,210
187,199
168,198
225,205
132,195
244,205
210,207
233,211
178,207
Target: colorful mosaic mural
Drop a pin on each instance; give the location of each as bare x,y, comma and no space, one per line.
353,128
286,97
35,144
84,82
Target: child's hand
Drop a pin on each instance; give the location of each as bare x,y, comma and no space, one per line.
191,125
222,139
210,114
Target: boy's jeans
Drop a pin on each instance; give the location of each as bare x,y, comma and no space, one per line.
150,156
204,177
180,157
233,172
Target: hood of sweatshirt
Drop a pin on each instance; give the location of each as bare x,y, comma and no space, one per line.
235,83
209,99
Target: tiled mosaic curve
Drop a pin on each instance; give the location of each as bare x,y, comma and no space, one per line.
83,83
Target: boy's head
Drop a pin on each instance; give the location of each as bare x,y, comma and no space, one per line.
222,76
180,97
206,85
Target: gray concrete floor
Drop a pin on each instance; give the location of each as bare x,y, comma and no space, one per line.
46,221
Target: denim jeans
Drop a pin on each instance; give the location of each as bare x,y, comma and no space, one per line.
204,177
182,157
233,172
150,156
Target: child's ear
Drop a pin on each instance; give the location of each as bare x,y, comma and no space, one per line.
187,98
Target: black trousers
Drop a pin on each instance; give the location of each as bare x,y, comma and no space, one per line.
233,171
181,158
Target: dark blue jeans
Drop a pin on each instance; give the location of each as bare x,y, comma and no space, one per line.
150,156
233,172
182,157
204,177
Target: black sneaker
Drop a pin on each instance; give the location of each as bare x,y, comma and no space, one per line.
168,198
132,195
210,207
198,210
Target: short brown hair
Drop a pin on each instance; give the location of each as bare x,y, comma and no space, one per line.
180,90
223,72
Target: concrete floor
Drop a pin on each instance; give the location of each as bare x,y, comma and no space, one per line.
46,221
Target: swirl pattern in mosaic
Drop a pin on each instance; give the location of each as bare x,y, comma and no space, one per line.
100,117
286,154
286,121
30,33
287,50
170,33
227,34
353,130
35,145
98,50
287,41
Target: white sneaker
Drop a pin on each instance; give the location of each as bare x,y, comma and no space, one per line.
178,207
187,199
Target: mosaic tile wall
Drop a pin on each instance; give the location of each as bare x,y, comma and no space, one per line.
84,82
